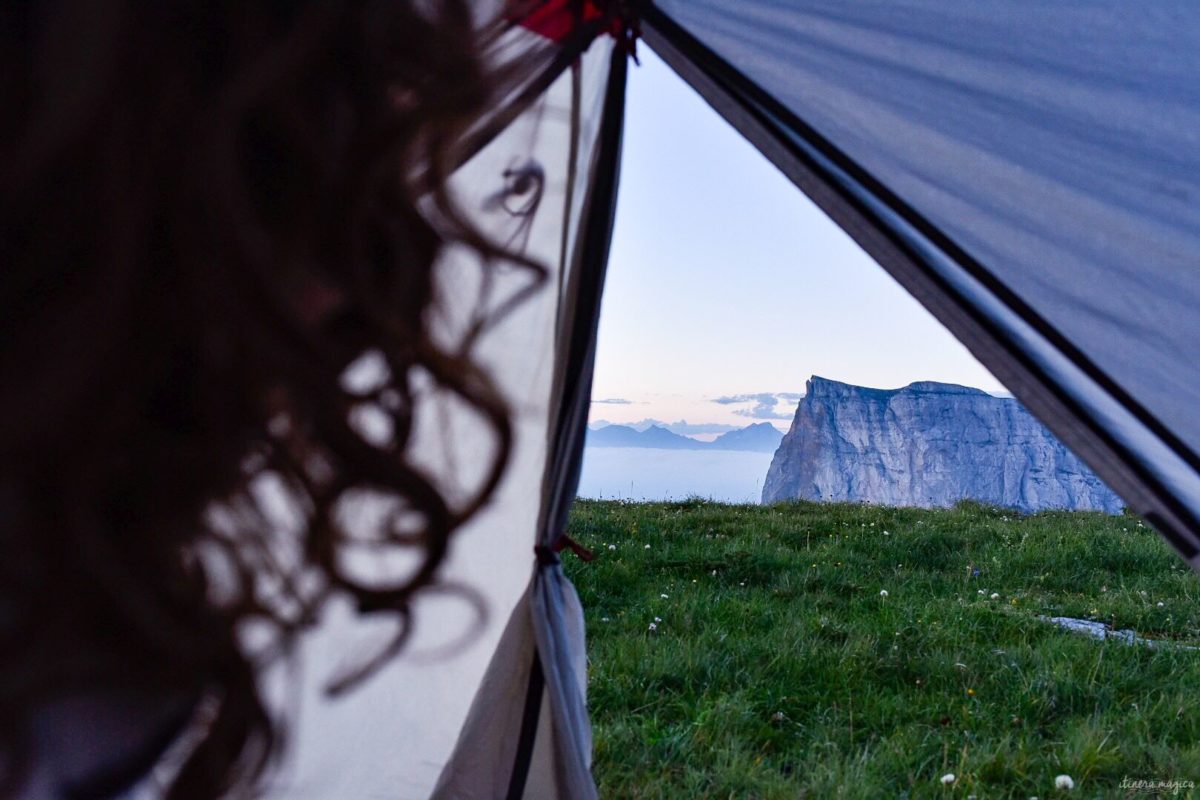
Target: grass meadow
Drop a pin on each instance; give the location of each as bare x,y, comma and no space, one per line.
849,651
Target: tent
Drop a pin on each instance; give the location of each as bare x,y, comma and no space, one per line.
1029,172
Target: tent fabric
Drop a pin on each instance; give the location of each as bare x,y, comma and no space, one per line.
558,618
393,735
487,755
487,762
1026,175
493,759
486,751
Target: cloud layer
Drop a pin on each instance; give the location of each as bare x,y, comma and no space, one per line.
763,405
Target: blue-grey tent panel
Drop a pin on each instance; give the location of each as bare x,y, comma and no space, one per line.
1055,145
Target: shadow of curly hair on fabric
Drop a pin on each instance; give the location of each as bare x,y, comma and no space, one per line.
210,212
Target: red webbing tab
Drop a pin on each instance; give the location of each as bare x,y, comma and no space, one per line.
575,547
548,556
557,19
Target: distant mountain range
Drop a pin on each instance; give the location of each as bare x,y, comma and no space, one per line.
762,437
682,427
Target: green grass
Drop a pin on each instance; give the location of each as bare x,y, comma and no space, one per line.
779,670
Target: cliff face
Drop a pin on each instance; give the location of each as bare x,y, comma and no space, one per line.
928,444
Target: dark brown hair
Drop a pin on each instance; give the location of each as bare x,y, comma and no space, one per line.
210,210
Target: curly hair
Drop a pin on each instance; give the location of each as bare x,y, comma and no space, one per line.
210,211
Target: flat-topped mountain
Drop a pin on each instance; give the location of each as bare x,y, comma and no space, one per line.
928,444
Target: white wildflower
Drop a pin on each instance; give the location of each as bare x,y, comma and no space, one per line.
647,547
948,779
653,627
1161,604
883,592
663,596
995,595
604,619
981,591
1064,783
612,547
886,533
658,619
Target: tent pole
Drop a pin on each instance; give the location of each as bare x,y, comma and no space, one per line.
553,594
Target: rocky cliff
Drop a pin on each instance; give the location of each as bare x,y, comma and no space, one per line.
928,444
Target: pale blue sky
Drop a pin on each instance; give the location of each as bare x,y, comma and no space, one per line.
726,281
